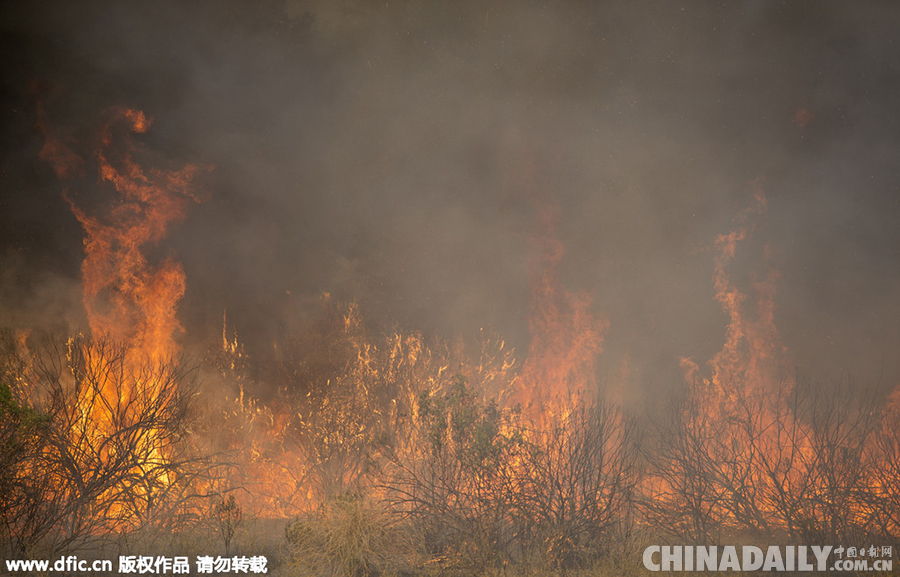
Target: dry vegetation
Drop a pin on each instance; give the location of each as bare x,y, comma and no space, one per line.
390,457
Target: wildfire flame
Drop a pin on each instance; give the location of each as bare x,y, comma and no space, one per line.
128,299
752,358
125,296
329,425
743,408
565,336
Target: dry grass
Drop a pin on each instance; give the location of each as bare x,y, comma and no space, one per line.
349,536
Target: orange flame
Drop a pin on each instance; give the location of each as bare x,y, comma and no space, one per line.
565,336
125,296
745,398
753,357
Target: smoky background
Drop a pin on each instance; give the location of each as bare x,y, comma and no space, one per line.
395,153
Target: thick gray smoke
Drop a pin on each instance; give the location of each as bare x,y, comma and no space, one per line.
394,152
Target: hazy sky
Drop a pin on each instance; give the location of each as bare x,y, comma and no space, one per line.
393,153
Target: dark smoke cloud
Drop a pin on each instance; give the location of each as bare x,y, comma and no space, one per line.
393,153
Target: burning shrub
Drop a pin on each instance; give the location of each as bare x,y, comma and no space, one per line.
107,456
886,471
457,484
322,431
791,462
343,409
578,485
488,490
